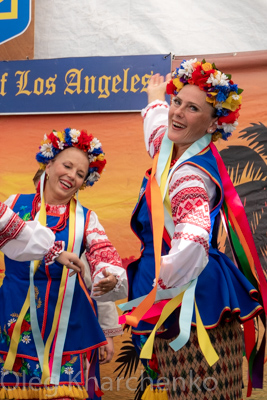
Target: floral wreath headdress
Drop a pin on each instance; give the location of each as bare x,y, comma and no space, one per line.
221,92
56,142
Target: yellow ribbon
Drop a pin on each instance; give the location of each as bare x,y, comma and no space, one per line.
9,362
204,340
12,352
147,349
46,370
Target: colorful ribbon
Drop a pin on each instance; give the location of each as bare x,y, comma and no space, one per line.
50,369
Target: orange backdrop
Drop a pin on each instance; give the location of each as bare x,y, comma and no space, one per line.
114,196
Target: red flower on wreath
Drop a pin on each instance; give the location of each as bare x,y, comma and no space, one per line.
200,77
170,88
54,139
230,118
98,164
84,141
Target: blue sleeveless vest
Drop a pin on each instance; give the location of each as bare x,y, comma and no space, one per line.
222,291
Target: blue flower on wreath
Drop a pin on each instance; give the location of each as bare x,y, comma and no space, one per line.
223,92
222,112
68,137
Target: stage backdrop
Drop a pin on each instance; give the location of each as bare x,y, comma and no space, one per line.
114,196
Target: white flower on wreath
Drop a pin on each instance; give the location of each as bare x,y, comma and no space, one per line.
235,96
188,67
68,370
26,339
61,145
28,366
91,158
218,78
93,177
228,127
4,372
74,134
37,366
11,321
95,144
46,150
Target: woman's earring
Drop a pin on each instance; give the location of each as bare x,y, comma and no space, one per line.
47,177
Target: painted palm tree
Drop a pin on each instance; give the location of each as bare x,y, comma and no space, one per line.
247,167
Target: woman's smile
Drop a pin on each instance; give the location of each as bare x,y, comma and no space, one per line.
65,184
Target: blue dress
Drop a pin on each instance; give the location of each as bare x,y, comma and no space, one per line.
84,333
222,291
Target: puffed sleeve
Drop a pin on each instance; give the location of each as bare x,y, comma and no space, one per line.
23,241
192,195
155,120
101,255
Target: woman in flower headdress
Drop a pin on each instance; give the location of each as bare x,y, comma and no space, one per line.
50,327
187,300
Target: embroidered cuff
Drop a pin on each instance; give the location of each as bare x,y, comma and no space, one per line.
54,252
113,332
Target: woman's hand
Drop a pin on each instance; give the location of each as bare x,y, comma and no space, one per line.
105,285
156,88
106,352
71,261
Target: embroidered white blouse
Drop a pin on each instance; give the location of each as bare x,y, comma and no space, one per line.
192,194
100,254
23,241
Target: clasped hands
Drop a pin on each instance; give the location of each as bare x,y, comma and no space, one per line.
72,261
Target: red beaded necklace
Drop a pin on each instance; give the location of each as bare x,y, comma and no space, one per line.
63,218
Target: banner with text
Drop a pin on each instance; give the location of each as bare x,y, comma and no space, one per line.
84,84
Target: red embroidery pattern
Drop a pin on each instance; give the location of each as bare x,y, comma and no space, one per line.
102,251
155,106
11,230
96,230
193,238
3,208
156,142
54,252
113,332
186,178
191,205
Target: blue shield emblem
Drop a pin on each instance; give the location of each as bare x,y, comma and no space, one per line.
15,16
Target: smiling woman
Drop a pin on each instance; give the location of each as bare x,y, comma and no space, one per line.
65,175
196,298
34,334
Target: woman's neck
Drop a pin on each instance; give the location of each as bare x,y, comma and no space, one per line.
52,200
